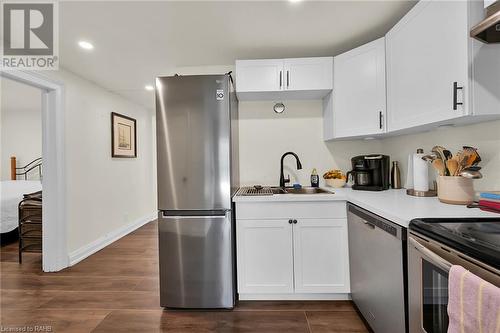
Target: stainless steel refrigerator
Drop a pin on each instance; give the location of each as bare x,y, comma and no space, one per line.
197,152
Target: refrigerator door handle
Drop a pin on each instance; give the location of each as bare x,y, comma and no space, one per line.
182,217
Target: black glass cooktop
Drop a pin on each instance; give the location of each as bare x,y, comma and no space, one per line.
478,238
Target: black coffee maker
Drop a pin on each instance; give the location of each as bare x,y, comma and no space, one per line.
370,172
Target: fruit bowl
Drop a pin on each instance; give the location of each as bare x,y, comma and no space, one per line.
335,178
335,183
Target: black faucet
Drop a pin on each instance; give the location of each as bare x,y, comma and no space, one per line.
284,180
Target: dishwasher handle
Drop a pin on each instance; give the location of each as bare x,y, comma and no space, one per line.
369,225
376,222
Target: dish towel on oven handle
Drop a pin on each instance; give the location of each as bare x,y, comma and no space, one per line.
473,303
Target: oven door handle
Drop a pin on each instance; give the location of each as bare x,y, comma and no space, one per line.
437,260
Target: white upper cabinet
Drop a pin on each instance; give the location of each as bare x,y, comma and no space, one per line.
308,73
436,74
359,96
427,65
271,79
259,75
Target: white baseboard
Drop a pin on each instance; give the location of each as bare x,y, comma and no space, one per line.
100,243
294,297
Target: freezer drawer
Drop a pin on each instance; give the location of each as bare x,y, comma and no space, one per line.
196,261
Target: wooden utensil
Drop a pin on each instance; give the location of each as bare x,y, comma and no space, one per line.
447,154
452,166
439,151
461,160
474,157
439,166
464,162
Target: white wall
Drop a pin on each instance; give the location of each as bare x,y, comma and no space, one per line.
202,70
21,125
484,136
265,136
103,193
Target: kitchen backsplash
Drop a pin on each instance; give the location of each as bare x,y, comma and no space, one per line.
265,136
484,136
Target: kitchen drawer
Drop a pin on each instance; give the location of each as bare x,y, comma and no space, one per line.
291,209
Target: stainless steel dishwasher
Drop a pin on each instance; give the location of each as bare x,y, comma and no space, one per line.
377,258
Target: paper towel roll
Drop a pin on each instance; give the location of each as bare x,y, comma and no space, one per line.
420,173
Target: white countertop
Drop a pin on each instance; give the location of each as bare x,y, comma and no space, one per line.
394,205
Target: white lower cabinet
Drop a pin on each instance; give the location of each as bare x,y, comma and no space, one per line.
265,261
282,251
320,256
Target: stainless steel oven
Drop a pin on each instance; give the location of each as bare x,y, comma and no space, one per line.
429,263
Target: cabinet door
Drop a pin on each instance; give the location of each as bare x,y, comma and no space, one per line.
321,262
259,75
308,73
264,257
427,52
359,93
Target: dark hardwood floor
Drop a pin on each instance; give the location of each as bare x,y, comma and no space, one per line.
116,290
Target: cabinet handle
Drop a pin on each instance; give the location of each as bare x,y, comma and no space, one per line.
281,79
380,120
287,79
290,221
455,90
294,221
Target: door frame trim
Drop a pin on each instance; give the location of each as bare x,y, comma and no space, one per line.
54,236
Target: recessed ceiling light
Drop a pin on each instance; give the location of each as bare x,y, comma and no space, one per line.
85,45
295,0
149,87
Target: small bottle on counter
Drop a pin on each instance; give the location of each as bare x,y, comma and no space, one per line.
395,176
314,178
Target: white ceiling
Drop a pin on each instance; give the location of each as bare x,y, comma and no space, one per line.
136,41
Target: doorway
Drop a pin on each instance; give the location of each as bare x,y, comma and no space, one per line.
54,247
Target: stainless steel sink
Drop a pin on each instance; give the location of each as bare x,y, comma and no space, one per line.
303,190
306,190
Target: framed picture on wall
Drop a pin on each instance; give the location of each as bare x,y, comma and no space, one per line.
123,136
